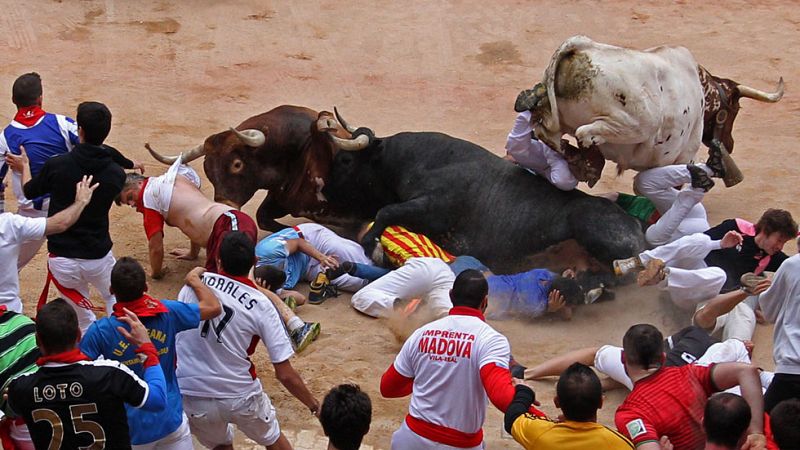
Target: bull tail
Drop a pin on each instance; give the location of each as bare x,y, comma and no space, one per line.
569,46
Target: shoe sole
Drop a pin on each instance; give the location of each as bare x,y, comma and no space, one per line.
652,273
310,337
749,281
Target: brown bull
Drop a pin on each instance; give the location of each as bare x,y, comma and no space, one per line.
288,151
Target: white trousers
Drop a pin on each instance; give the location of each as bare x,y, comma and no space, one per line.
405,439
739,323
690,281
78,274
681,212
29,249
330,243
608,360
429,279
180,439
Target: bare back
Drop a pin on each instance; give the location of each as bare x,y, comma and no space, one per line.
193,212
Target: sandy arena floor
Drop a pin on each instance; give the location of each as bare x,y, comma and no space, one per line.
174,72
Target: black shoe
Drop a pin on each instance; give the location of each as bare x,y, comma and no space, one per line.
321,289
700,179
714,161
346,267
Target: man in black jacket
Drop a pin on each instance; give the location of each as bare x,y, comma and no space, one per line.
81,255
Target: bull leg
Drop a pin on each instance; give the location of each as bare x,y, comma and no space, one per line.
408,214
267,212
619,128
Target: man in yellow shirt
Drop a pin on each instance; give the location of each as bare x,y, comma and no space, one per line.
579,396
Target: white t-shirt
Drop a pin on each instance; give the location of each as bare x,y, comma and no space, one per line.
781,306
213,361
444,358
14,231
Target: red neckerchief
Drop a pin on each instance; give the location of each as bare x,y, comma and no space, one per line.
466,311
29,115
240,279
144,306
68,357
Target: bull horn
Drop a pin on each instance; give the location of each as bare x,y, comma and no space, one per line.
530,98
755,94
342,121
350,145
189,156
250,137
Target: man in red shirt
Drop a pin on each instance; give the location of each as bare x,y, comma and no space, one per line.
669,401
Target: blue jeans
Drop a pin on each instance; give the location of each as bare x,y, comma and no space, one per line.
463,263
369,273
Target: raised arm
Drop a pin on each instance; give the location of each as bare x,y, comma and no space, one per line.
206,300
155,398
728,375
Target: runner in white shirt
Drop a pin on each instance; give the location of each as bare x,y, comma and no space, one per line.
215,374
449,366
15,230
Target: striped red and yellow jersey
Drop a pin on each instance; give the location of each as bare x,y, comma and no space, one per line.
399,244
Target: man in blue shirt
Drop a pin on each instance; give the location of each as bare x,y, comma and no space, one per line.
163,320
43,136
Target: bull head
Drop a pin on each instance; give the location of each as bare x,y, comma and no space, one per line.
328,124
227,162
722,105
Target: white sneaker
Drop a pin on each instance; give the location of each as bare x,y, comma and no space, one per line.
627,265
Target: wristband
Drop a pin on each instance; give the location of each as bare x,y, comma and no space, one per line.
148,354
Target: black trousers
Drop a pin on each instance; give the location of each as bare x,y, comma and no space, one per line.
783,387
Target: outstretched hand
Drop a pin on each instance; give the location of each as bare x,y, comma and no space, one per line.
555,301
731,239
17,162
84,190
138,334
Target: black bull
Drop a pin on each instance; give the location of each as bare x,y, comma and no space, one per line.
472,202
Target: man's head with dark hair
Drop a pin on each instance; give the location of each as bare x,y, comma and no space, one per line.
774,229
269,277
784,419
726,419
345,415
27,90
129,194
94,122
128,280
569,288
579,394
57,328
470,289
236,253
643,347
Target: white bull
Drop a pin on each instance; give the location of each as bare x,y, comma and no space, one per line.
640,109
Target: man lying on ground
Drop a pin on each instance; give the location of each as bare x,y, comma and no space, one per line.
698,267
